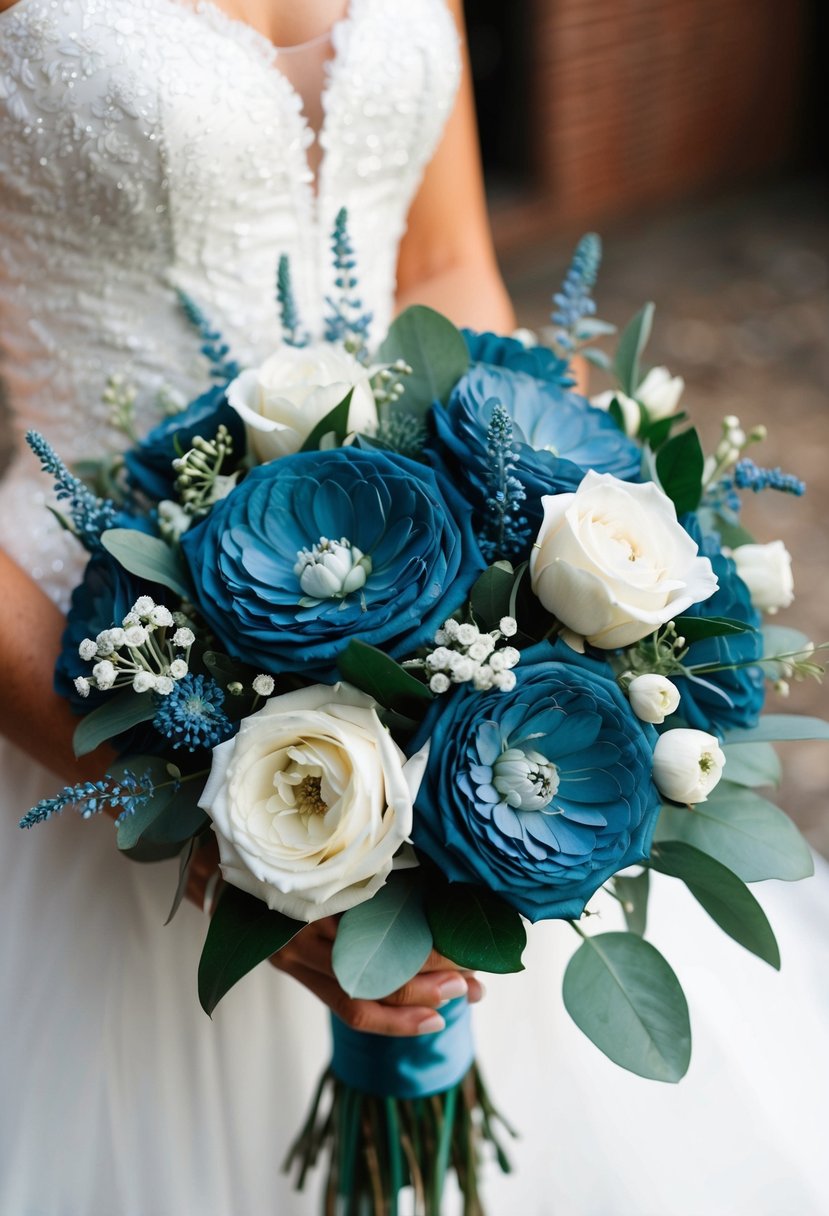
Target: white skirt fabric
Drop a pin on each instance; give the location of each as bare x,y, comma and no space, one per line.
120,1098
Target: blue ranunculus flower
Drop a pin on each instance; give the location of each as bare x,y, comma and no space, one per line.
541,793
721,700
102,599
558,434
538,361
150,462
318,548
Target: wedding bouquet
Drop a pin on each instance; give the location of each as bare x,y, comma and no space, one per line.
433,644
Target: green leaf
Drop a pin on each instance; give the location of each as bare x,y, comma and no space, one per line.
381,677
117,714
679,466
434,349
475,928
170,818
726,899
737,827
598,358
732,534
658,432
592,327
752,764
780,640
632,342
149,558
491,594
633,892
243,933
622,993
185,858
334,423
779,728
383,942
694,628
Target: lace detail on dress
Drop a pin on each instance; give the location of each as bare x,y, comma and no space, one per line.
146,145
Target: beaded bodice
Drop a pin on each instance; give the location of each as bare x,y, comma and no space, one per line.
154,145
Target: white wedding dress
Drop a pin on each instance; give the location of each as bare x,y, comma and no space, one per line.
146,145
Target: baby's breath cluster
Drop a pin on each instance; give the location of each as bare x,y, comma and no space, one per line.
733,442
148,651
200,482
464,654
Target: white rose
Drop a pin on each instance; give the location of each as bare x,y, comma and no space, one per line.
687,764
310,801
660,392
631,414
653,698
612,562
282,401
767,572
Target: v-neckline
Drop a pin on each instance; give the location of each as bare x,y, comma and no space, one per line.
244,33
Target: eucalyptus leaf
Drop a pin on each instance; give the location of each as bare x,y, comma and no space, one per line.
752,764
779,728
592,327
624,996
372,671
732,533
780,640
679,466
632,342
383,942
334,423
737,827
695,628
243,932
491,594
149,558
118,713
598,358
476,929
434,349
724,896
185,858
633,893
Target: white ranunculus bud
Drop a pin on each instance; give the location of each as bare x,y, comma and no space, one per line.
135,635
631,414
767,572
143,681
88,649
178,669
143,606
163,686
184,637
439,682
653,698
660,392
82,686
161,616
687,764
263,685
612,562
508,626
282,401
467,634
104,674
311,800
504,680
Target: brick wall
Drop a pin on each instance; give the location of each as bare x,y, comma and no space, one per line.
640,102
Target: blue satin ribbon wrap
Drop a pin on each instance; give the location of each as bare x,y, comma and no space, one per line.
405,1068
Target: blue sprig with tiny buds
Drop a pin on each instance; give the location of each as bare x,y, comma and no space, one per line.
749,476
293,333
346,322
90,515
89,798
574,299
214,348
506,532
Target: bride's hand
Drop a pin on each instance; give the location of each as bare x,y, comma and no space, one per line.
409,1011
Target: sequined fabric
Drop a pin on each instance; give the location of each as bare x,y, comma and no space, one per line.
149,145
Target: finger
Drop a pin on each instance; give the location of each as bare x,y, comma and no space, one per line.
308,949
435,988
369,1016
438,962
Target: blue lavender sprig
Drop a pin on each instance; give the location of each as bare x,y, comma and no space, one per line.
574,300
293,332
90,515
213,347
506,532
192,716
89,798
346,322
749,476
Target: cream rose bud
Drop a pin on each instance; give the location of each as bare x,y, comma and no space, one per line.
282,401
653,698
687,764
310,801
660,392
767,572
631,414
612,563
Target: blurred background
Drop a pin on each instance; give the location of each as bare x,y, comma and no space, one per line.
692,137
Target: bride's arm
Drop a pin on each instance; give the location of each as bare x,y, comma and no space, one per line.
447,259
